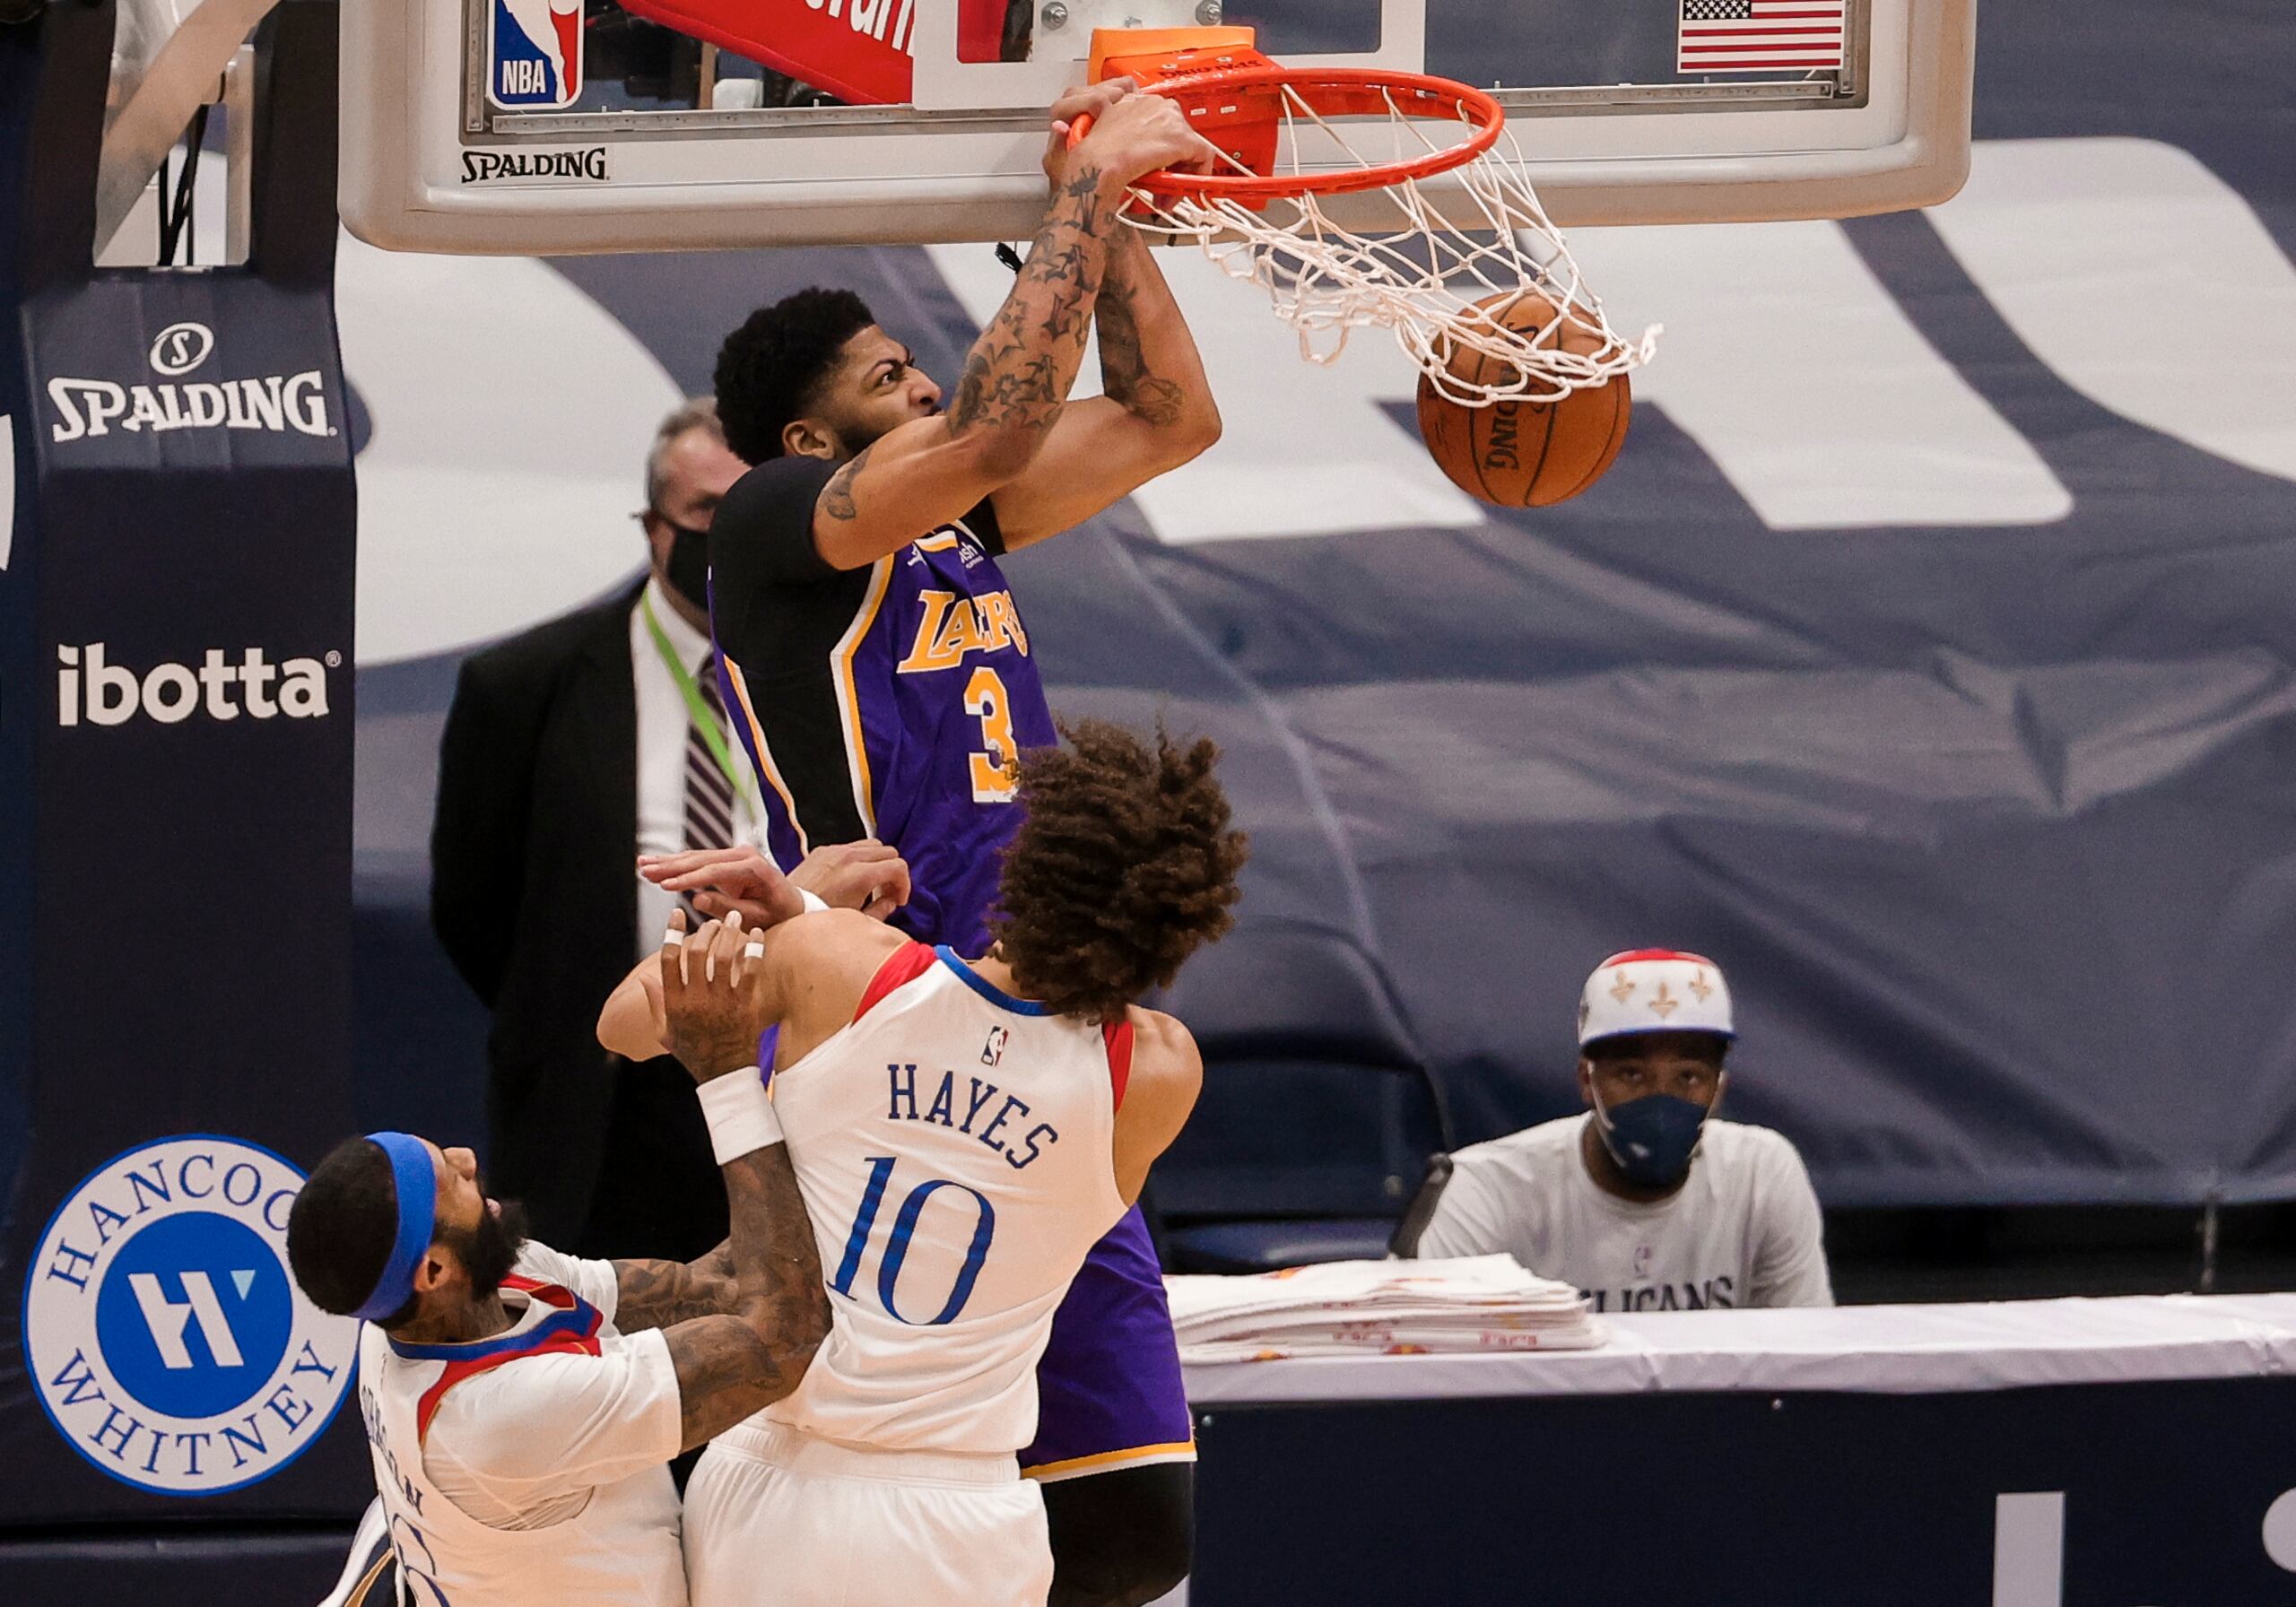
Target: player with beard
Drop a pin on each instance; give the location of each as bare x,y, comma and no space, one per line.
521,1405
880,676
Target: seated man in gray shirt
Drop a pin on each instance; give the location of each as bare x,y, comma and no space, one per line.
1649,1202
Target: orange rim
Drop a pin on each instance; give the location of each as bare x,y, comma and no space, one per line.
1334,91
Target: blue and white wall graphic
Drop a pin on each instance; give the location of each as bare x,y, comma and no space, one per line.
163,1333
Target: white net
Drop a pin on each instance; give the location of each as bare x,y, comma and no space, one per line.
1491,308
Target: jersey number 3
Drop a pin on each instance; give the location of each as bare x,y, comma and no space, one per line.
996,772
896,1252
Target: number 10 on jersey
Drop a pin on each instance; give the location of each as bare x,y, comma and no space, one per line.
895,1254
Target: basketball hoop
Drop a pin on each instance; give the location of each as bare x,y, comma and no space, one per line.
1291,137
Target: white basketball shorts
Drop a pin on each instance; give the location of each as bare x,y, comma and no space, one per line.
777,1519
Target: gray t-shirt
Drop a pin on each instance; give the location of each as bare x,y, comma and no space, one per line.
1744,1230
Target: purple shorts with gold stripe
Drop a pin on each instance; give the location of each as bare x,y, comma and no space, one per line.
1108,1388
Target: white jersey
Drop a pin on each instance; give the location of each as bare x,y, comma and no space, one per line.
955,1149
531,1467
1744,1230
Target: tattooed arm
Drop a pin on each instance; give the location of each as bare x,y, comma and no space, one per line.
751,1351
1155,411
1016,379
731,1365
661,1294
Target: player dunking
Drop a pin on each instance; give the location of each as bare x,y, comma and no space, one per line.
962,1133
882,681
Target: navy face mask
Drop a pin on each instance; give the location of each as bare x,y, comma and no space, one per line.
687,567
1651,1138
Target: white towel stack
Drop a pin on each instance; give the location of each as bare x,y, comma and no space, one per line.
1378,1308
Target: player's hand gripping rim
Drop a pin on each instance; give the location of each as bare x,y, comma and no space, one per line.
1139,133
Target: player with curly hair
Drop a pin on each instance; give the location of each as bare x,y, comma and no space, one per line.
880,675
1123,867
963,1132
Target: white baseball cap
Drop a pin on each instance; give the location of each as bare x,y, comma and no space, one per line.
1653,990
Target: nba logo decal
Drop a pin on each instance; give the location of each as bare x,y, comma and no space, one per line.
163,1333
534,55
993,1051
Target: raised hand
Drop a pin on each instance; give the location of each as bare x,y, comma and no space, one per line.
865,875
1144,133
1093,101
725,882
709,1007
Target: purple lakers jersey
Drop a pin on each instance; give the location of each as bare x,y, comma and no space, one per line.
891,701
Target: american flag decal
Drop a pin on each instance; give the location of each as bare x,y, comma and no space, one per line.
1761,36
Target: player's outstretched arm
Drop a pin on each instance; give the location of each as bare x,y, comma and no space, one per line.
730,1367
659,1294
631,1023
733,1364
1167,1075
864,875
746,887
1155,411
1018,375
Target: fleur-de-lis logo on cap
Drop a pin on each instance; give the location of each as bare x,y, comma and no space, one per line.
1623,988
1699,986
1664,1003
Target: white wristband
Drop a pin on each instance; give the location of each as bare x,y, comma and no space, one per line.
741,1116
814,901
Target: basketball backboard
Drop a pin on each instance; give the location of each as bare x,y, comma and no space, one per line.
523,126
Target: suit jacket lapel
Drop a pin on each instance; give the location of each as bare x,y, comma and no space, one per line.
608,694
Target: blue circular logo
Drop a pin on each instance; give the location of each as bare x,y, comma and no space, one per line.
163,1333
195,1315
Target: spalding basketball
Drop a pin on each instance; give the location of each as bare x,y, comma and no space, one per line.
1524,454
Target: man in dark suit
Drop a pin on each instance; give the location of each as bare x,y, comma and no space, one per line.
570,750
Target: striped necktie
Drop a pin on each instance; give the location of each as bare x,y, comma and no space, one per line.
708,795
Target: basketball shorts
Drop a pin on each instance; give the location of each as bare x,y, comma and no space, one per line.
777,1518
1109,1389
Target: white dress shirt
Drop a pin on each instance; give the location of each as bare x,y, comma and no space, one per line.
662,723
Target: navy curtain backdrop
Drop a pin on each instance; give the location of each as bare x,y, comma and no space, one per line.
1990,824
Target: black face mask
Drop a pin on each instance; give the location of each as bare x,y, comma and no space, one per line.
687,569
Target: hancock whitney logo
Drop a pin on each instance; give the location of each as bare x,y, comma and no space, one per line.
534,52
163,1334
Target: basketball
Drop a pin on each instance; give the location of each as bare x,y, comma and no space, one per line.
1524,454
